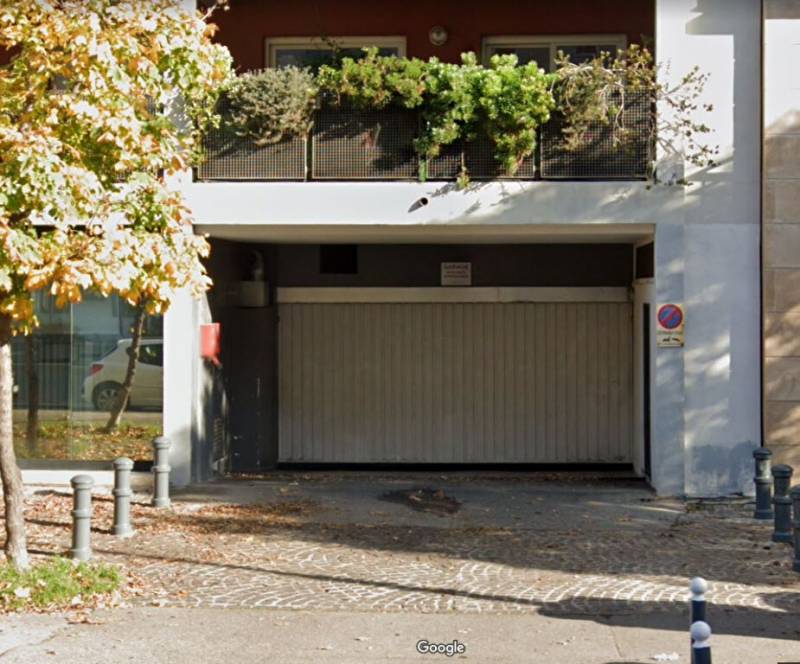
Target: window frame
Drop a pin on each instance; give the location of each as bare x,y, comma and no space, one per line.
271,44
620,41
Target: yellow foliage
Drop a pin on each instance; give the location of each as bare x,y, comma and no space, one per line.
86,99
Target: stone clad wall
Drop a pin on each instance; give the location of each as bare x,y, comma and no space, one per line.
781,230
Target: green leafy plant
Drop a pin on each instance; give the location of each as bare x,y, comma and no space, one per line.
375,81
599,91
505,102
513,102
272,104
55,584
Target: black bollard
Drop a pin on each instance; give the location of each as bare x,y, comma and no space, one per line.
763,482
701,645
795,494
697,609
782,476
699,587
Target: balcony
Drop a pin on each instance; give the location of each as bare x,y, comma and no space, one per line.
378,145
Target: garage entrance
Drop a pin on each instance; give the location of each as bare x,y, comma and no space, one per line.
363,354
443,375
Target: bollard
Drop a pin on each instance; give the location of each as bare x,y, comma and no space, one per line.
796,507
701,646
697,609
81,517
763,482
782,476
122,497
699,587
161,472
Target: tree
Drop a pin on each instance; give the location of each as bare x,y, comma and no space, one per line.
103,101
32,428
130,372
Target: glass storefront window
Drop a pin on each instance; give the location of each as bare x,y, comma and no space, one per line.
74,366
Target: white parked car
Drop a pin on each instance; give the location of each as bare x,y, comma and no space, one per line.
106,375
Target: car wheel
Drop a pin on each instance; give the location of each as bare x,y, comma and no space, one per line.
104,396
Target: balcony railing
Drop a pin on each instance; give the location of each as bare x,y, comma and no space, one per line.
347,144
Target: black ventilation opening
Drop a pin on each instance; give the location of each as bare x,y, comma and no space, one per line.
645,267
338,259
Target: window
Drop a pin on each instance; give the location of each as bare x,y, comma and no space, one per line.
152,354
543,49
338,259
315,51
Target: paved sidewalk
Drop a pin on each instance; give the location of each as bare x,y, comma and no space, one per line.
188,636
517,545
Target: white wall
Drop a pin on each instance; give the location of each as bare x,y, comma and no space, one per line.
716,257
706,410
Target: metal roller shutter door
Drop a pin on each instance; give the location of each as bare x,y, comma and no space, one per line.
533,382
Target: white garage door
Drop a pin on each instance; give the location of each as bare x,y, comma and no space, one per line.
456,382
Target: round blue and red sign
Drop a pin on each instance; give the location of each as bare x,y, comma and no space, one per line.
670,316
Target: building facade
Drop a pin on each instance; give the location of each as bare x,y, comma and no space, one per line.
574,316
368,352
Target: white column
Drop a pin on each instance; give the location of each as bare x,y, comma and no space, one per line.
180,353
706,400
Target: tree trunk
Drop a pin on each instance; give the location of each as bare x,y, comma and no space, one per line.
32,432
13,492
133,357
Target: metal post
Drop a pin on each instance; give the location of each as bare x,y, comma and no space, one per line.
763,484
782,480
697,609
699,587
161,472
122,497
81,517
701,646
795,494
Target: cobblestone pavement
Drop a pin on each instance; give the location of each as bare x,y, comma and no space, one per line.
293,550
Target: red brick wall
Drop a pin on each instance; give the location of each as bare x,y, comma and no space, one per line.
248,22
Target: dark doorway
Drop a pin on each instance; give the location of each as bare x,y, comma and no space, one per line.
646,386
249,362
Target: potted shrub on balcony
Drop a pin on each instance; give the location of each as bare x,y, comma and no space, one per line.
606,125
366,126
266,120
482,122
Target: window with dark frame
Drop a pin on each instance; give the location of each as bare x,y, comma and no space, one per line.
543,49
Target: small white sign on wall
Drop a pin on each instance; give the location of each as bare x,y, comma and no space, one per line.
456,274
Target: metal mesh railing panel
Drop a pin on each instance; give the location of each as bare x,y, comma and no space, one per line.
478,158
599,157
232,157
482,165
447,164
351,144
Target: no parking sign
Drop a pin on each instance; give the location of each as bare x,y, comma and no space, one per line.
670,321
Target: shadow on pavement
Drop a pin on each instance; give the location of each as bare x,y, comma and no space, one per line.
781,623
